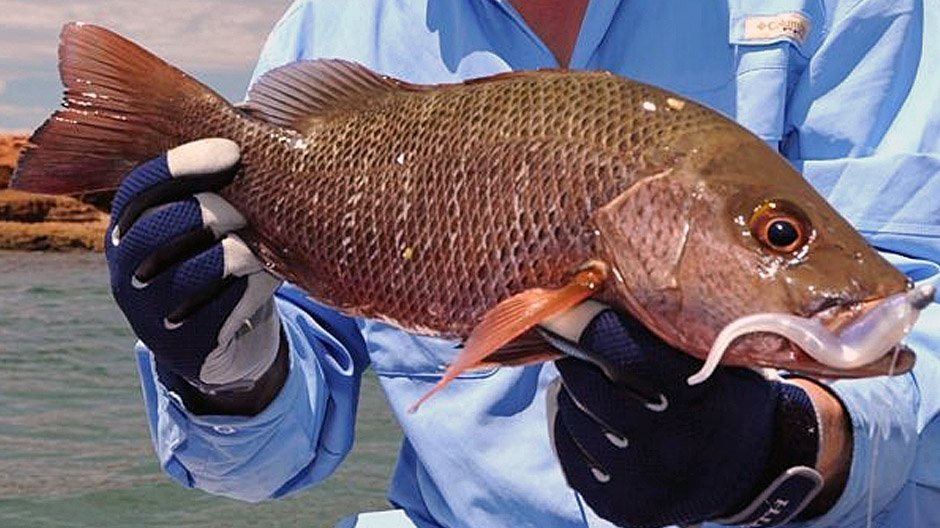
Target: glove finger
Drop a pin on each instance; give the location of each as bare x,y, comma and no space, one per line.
188,279
195,337
240,261
218,215
193,167
603,400
165,235
173,232
239,265
581,473
196,282
202,157
628,346
597,440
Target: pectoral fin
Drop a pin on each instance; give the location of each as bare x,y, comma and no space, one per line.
512,318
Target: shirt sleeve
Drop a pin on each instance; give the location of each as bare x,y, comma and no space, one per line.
858,132
297,441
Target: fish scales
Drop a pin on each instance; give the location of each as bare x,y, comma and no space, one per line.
363,215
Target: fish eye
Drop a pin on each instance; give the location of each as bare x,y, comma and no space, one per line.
782,233
780,226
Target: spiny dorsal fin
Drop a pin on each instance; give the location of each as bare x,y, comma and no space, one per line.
292,95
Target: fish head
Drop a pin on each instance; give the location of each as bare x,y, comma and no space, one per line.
732,230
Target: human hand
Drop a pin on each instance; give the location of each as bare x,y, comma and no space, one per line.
651,450
189,286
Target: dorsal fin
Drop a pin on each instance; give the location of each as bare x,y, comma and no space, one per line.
292,95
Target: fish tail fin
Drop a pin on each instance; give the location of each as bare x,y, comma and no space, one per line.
122,105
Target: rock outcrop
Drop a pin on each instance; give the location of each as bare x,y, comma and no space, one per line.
43,222
10,146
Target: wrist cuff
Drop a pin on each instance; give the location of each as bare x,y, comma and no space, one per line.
789,481
781,501
248,399
796,431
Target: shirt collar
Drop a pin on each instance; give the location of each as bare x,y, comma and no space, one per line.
597,19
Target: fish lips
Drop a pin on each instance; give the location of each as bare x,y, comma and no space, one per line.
763,349
899,359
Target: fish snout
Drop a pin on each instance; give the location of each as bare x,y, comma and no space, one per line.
846,295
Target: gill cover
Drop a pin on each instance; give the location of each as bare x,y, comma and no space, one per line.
643,234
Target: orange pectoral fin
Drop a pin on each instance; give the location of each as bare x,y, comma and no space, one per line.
515,316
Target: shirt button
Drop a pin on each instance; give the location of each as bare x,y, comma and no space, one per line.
224,429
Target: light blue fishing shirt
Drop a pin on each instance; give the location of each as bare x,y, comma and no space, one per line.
849,94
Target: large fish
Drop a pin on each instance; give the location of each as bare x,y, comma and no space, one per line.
479,210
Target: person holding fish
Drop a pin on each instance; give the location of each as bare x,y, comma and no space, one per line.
442,225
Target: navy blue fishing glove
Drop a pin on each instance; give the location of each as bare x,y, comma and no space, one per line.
191,289
650,450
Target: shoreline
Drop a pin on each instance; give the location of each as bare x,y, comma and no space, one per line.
38,222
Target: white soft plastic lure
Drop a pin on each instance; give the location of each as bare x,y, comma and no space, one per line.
866,339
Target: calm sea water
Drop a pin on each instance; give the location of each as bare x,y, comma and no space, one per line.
74,446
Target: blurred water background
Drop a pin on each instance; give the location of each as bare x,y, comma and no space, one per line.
74,446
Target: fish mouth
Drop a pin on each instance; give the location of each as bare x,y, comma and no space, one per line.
898,359
767,350
836,314
849,340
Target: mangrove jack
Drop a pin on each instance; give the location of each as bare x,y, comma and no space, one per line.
478,210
